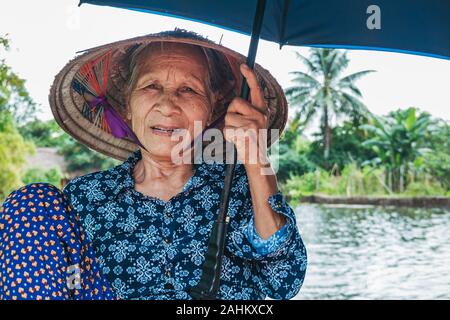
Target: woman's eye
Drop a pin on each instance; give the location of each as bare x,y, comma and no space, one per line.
151,86
187,89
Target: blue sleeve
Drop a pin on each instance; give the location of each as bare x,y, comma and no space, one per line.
269,245
243,241
281,259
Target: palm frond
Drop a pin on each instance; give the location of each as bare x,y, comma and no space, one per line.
309,64
340,63
355,76
304,77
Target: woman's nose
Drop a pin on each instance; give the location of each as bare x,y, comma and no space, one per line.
167,104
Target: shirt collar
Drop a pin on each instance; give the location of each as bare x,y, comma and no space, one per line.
205,173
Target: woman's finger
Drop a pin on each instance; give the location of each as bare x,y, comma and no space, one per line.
244,107
256,94
237,120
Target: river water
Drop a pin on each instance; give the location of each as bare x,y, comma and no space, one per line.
365,252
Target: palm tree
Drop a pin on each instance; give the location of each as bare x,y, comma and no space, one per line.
322,91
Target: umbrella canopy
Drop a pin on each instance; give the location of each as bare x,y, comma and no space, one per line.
410,26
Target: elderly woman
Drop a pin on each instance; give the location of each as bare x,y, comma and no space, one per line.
140,230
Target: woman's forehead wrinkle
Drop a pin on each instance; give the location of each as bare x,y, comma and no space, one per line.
169,67
174,62
171,72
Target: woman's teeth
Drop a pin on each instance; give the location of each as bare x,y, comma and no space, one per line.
158,129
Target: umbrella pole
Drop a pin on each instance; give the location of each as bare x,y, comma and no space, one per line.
208,286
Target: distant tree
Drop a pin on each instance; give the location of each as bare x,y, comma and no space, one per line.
292,163
292,131
13,152
346,149
43,133
14,97
15,105
322,91
82,159
79,158
437,163
293,152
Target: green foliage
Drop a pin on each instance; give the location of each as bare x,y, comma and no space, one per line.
355,181
13,152
292,163
379,156
52,175
293,153
316,182
81,158
398,140
346,148
43,133
292,132
352,182
437,163
424,189
15,105
78,157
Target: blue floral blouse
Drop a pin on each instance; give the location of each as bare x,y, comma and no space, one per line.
152,249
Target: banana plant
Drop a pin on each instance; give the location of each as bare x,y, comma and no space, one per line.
398,140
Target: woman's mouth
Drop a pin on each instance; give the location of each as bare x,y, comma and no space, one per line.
165,131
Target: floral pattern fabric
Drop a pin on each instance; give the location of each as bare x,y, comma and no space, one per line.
44,253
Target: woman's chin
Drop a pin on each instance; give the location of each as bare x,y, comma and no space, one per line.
160,149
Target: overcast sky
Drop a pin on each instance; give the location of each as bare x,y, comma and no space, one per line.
45,34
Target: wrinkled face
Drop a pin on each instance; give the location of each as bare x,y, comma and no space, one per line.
169,94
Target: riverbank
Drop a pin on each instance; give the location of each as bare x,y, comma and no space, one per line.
415,202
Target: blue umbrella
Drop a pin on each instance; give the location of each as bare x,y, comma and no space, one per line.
420,27
410,26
